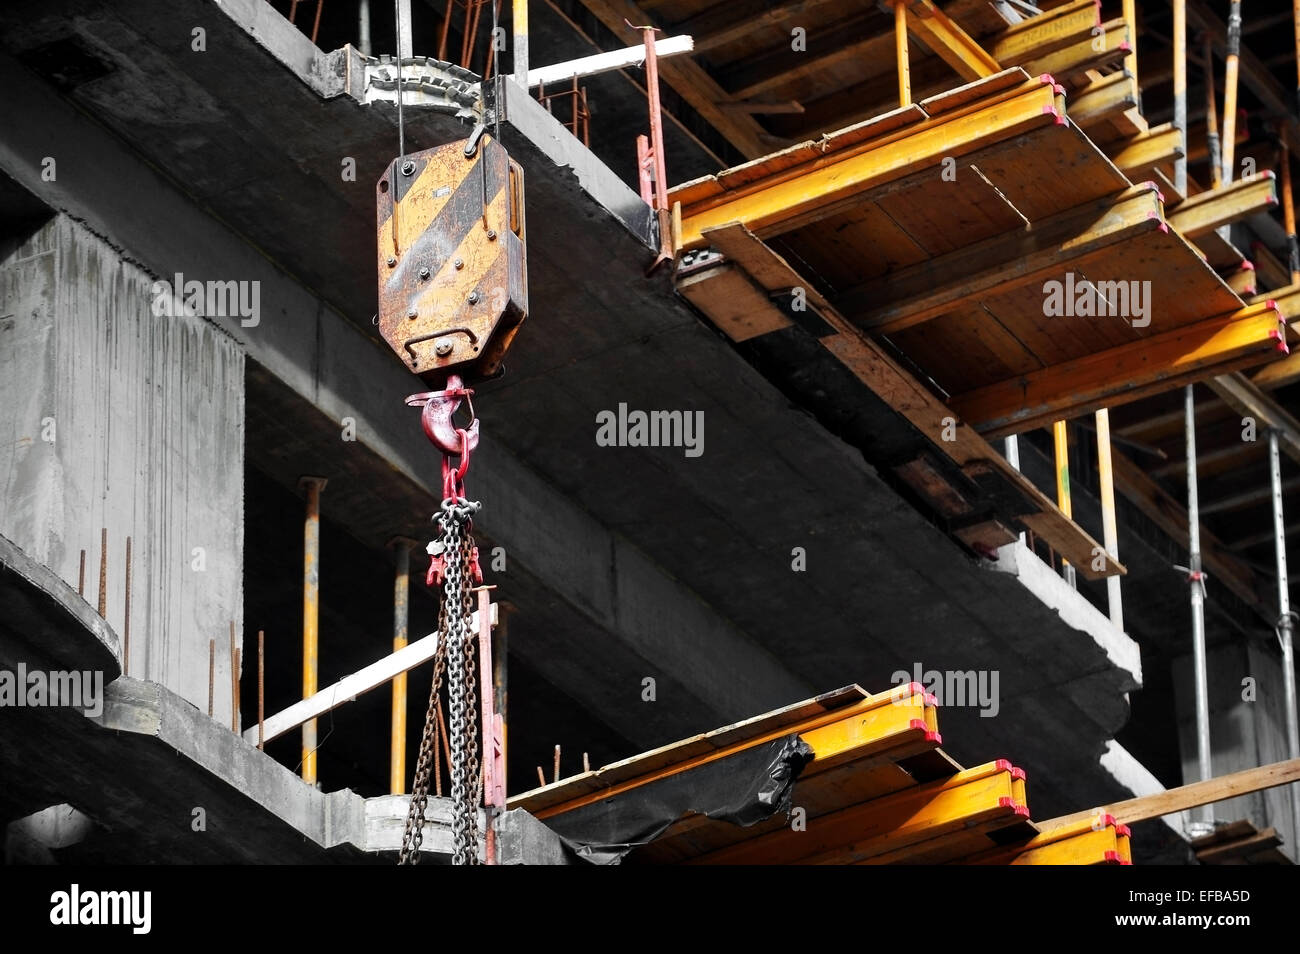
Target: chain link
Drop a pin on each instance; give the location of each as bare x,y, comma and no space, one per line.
456,657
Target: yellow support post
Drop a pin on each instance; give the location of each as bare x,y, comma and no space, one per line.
1288,212
1130,20
900,48
1180,93
1213,146
1230,87
1109,525
401,619
1061,443
310,616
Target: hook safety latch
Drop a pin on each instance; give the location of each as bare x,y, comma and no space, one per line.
436,418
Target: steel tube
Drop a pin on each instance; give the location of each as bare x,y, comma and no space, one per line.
1285,624
1195,587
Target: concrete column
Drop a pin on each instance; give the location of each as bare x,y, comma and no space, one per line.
119,416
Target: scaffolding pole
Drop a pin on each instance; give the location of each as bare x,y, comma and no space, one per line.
1285,624
310,616
401,626
1061,442
900,48
1109,525
1180,94
519,15
1195,582
1230,89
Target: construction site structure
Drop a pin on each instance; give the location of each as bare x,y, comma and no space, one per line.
942,349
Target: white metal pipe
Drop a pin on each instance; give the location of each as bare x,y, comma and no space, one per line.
404,39
607,62
1198,602
1285,623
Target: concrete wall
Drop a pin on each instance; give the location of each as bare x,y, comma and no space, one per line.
115,418
1247,729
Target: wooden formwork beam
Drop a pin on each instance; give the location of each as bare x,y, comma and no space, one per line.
949,41
1125,373
1091,52
1186,797
1140,154
1103,99
913,815
1094,841
1035,37
876,369
917,293
1244,397
1209,210
822,186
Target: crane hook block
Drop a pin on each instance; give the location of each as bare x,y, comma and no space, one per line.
453,279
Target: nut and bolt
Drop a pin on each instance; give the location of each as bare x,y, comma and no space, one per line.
391,261
442,349
408,167
492,235
473,297
413,314
424,271
458,263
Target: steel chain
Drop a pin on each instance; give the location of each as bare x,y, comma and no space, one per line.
455,657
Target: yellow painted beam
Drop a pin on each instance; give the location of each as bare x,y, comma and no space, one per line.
1208,210
949,42
1107,47
779,202
1125,373
917,293
1139,155
1102,99
1082,845
866,728
886,824
1035,37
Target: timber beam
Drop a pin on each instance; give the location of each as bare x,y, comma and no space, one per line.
1209,210
1092,841
690,80
768,272
1187,797
949,42
1139,156
1090,52
902,721
917,293
1126,373
1246,399
987,793
1049,31
794,195
1103,99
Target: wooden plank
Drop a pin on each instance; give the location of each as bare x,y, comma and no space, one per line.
1103,99
773,206
880,372
1186,797
886,824
1246,399
1126,373
1035,37
778,71
689,79
741,309
1210,210
1045,249
370,677
1236,849
1088,53
1138,156
949,41
861,726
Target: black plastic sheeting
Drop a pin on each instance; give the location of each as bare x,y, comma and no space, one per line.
744,789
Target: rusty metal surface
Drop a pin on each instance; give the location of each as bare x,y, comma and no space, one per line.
453,286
